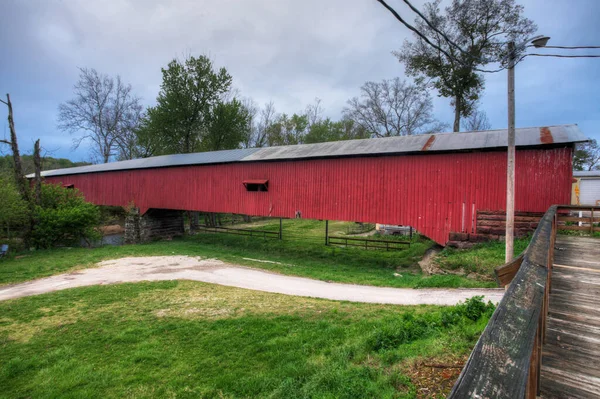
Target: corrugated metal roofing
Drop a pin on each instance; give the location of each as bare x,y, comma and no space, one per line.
382,146
198,158
593,173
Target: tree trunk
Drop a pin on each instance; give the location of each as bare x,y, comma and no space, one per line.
20,180
457,113
37,161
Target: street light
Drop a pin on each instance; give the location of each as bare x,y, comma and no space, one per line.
538,41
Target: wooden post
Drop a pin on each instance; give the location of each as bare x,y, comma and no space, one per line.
532,380
592,223
327,232
510,165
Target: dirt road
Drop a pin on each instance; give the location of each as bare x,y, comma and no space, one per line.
157,268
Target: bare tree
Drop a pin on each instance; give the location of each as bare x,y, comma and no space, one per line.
20,179
393,108
128,146
103,111
37,162
267,118
477,121
314,112
251,108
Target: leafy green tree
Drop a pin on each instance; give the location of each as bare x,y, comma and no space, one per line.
328,130
228,126
587,156
287,130
14,211
481,29
63,218
189,93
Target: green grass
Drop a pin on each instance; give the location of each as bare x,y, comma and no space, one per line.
195,340
482,259
303,256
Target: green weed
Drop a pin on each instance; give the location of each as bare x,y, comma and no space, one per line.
189,339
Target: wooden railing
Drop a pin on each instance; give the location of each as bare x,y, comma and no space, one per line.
506,361
243,232
584,219
368,243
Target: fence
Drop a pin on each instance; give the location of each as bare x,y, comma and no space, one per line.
367,243
243,232
580,218
506,361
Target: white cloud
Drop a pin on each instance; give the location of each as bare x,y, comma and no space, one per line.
282,50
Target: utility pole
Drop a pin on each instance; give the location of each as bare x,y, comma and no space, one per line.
510,165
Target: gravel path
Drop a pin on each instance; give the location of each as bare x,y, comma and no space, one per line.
157,268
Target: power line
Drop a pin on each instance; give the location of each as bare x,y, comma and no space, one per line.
573,47
420,14
452,58
563,56
438,48
412,28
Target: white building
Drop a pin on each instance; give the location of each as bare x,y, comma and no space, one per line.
586,188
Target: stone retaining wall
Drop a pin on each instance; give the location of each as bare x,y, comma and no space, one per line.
153,225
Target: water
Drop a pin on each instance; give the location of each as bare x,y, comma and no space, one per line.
109,239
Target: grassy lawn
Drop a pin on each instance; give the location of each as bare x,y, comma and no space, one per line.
301,253
481,259
194,340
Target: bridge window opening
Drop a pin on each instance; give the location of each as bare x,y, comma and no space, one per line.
69,186
256,185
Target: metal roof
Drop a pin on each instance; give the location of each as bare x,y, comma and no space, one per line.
592,173
466,141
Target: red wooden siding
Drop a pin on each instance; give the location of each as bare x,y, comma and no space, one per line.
434,193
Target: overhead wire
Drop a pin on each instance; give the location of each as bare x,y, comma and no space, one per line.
450,42
416,31
426,39
565,56
420,14
573,47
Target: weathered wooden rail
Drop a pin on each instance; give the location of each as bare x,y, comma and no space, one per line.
368,243
243,232
506,361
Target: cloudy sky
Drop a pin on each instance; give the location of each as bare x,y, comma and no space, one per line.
287,51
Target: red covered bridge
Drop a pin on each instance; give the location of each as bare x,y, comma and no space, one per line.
435,183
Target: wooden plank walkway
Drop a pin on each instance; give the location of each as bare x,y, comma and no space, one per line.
571,353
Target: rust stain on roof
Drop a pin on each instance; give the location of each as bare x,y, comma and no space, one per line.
546,136
429,143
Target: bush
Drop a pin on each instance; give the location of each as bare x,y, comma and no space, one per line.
63,218
14,212
474,308
410,327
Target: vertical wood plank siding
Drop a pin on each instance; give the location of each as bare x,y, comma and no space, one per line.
434,193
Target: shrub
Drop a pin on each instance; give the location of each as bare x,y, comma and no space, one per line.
474,308
410,327
14,212
63,218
